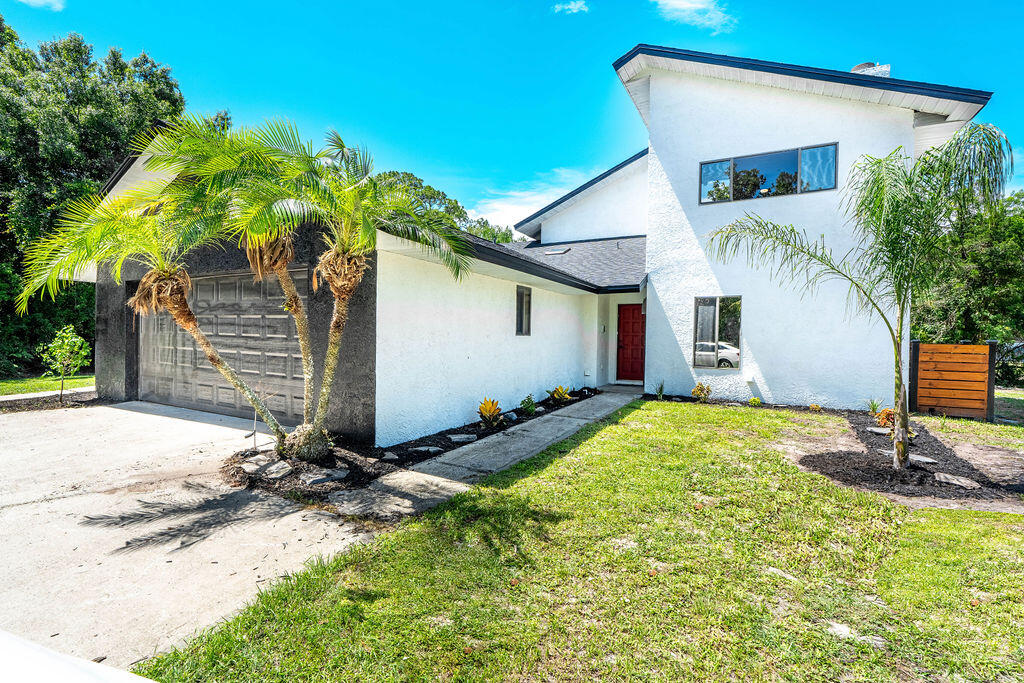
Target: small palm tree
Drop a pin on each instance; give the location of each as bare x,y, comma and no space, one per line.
132,228
900,209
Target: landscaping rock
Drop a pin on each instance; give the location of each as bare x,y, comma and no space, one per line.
884,431
964,482
462,438
432,450
922,459
677,399
510,416
734,404
322,476
540,409
779,405
278,470
389,457
256,464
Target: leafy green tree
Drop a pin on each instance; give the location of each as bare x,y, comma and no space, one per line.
747,184
64,356
902,210
440,207
67,120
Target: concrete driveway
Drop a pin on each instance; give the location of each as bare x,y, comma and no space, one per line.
118,539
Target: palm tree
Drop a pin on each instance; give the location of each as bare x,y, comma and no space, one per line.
900,209
159,236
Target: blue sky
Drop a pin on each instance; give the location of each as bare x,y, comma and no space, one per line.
506,105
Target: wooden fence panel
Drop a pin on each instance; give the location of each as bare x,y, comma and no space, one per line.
953,379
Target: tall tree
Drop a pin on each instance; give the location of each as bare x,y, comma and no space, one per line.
902,209
67,120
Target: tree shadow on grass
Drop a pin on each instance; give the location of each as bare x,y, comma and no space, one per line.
871,469
202,512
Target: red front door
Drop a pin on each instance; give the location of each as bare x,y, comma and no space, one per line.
630,363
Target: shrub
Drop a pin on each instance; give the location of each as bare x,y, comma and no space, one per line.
701,392
814,408
490,412
65,355
886,418
661,391
528,405
754,402
874,405
559,395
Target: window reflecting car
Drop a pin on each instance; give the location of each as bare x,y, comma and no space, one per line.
704,355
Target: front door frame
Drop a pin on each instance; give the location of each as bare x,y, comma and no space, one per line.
620,347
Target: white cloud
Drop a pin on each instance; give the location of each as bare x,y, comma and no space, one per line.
54,5
509,206
709,14
571,7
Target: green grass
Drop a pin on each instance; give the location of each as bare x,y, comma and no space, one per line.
28,385
673,543
1010,404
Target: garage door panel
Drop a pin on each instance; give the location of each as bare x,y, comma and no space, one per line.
244,322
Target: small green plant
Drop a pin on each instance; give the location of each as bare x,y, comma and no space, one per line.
64,356
490,412
754,402
559,395
661,390
701,392
528,405
874,405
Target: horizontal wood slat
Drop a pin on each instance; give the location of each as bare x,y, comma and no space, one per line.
929,366
968,349
929,402
922,392
958,412
928,383
954,358
953,376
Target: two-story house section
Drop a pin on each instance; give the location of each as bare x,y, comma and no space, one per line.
730,136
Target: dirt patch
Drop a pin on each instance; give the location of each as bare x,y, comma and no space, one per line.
76,400
853,456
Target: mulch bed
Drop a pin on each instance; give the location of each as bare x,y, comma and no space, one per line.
873,470
76,400
366,463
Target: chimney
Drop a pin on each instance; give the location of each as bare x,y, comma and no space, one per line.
872,69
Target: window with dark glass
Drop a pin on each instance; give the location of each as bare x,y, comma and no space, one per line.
791,171
523,295
716,332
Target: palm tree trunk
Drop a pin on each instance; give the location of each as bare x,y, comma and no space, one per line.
901,426
338,320
187,321
293,304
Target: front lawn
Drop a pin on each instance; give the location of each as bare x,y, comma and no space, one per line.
1010,404
30,385
673,543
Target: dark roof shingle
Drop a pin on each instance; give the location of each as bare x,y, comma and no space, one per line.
609,262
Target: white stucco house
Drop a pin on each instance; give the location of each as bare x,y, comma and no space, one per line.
616,286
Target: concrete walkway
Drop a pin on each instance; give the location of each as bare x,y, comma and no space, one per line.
119,540
12,398
436,480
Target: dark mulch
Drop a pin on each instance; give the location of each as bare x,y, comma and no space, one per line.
78,400
873,470
365,463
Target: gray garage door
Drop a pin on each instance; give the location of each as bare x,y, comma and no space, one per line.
253,333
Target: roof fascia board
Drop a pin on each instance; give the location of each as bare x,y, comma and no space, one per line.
829,75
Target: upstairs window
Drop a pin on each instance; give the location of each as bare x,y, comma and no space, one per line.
716,332
523,295
791,171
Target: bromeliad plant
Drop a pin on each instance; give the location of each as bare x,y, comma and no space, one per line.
900,208
528,405
559,395
490,413
701,392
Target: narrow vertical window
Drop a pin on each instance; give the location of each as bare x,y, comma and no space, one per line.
716,332
523,295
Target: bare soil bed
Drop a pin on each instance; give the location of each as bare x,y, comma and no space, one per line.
72,400
366,463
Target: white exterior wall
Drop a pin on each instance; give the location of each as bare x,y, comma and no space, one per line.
617,207
442,346
793,350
